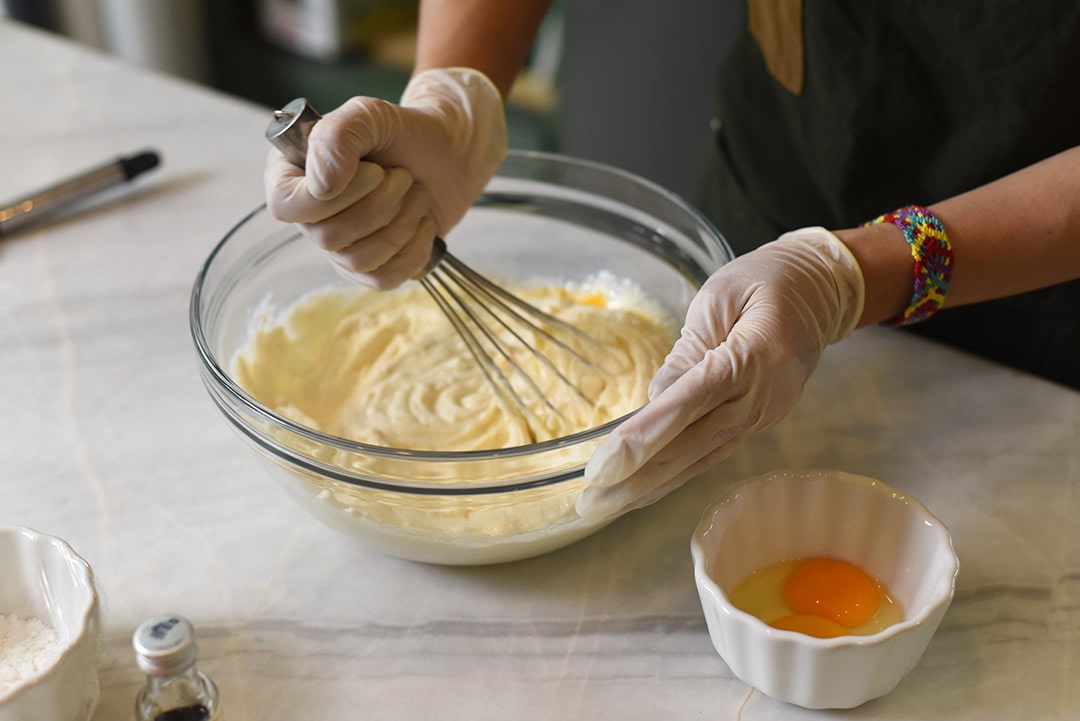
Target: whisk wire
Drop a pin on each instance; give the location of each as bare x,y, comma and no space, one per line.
499,304
457,309
509,302
478,308
444,273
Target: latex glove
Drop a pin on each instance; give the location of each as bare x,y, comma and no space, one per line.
382,179
752,337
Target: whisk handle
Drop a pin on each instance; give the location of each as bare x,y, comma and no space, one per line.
289,130
438,252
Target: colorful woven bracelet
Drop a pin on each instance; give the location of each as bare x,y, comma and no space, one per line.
933,260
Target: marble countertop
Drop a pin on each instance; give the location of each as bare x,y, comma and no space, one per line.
109,440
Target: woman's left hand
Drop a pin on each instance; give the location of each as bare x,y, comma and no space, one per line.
752,337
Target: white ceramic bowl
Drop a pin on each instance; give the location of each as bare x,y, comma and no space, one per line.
796,514
43,579
542,216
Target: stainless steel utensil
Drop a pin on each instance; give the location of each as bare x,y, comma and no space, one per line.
494,323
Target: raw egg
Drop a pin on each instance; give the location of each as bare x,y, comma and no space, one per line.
823,597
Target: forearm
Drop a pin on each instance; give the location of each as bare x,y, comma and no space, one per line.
492,36
1016,234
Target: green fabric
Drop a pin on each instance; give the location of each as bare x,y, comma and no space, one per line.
907,103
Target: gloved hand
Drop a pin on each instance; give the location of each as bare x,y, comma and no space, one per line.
383,179
752,337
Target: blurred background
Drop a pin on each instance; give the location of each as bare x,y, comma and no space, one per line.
626,82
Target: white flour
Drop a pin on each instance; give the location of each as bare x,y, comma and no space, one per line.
27,648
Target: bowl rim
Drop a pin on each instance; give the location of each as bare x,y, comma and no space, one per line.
225,384
86,618
705,581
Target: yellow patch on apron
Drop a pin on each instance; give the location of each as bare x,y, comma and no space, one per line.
777,27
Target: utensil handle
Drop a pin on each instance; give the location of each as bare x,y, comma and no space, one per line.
289,130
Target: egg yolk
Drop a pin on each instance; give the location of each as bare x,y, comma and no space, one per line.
833,589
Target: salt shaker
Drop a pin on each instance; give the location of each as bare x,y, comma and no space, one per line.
175,690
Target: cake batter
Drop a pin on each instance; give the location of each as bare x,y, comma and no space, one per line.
387,368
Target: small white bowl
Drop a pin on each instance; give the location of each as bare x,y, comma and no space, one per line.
43,579
786,515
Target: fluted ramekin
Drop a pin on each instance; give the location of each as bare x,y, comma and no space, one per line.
787,515
43,580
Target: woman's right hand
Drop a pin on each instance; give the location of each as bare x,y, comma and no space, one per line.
383,179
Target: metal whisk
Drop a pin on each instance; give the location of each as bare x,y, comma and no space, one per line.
496,325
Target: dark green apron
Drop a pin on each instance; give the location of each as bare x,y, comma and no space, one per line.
832,112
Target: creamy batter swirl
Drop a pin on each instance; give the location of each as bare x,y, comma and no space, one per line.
387,368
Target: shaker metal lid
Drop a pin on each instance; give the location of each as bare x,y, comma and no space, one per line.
164,644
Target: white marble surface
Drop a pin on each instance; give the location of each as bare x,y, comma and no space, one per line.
108,440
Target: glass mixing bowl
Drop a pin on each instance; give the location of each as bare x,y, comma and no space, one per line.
543,216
